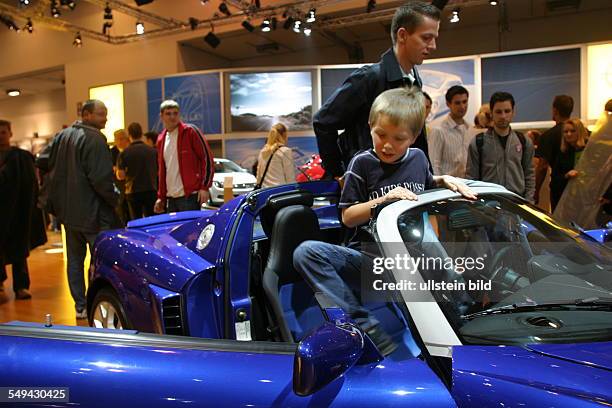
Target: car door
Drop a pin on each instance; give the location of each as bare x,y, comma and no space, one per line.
106,368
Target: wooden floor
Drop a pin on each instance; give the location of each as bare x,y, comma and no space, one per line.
48,285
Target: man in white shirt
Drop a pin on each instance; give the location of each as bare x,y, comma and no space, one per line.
449,138
185,163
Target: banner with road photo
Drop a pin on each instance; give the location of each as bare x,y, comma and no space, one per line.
439,76
259,100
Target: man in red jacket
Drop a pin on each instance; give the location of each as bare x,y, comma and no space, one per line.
184,161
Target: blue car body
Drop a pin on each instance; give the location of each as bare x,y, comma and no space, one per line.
187,303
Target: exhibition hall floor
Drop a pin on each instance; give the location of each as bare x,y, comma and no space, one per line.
48,285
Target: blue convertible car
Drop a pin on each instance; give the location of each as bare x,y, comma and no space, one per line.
213,312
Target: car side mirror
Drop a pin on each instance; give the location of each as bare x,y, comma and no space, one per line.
325,355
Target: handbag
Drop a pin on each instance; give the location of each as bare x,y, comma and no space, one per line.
263,176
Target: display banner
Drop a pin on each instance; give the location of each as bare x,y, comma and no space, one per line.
534,79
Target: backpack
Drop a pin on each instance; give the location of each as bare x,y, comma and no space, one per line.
480,143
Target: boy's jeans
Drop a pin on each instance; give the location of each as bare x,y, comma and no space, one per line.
334,270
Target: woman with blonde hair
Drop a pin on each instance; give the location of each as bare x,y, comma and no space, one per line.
573,142
275,165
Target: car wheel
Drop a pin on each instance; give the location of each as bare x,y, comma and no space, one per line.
107,312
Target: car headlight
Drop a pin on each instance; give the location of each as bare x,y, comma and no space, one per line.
218,184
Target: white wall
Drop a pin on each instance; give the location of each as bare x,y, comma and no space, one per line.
43,113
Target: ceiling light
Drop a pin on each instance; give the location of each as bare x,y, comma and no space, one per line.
265,25
9,22
224,9
203,2
140,28
248,26
71,5
108,13
29,27
454,18
143,2
13,92
307,31
24,2
68,3
288,23
371,5
106,26
493,2
211,39
311,17
54,9
297,26
78,41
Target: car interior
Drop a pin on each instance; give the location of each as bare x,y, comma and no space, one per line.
284,307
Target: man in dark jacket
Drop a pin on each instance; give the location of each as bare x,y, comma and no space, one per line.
81,193
414,31
18,190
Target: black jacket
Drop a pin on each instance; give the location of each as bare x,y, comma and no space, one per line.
348,108
21,226
80,190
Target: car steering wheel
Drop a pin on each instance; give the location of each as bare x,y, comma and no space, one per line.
497,259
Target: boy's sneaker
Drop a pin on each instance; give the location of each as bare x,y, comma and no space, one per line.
382,340
81,314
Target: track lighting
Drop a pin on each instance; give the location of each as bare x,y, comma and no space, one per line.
193,23
288,23
29,27
13,92
78,41
311,17
71,4
140,28
54,9
105,27
24,3
454,18
108,13
297,26
9,22
371,6
248,26
493,2
224,9
265,25
211,39
307,30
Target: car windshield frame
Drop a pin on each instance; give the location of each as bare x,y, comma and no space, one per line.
227,166
389,217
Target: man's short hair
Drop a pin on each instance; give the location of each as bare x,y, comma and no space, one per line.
455,90
410,16
5,123
426,95
120,133
402,106
564,104
168,104
501,97
90,105
608,106
135,130
152,136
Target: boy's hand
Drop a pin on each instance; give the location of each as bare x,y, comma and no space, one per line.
571,174
456,185
400,193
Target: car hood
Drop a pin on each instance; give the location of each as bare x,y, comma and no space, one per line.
590,354
238,177
532,373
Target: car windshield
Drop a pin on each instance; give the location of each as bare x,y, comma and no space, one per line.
546,281
227,167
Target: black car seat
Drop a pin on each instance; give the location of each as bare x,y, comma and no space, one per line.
288,220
